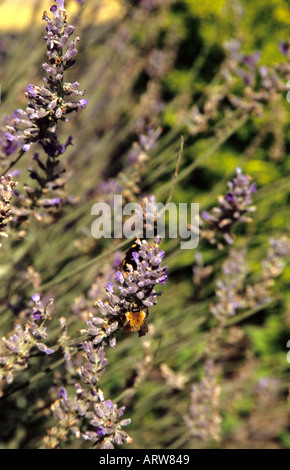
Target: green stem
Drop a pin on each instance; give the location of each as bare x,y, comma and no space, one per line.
22,152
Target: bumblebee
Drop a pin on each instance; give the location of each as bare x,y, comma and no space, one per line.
129,260
135,320
135,317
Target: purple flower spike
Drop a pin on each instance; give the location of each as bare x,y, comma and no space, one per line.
233,208
56,98
127,306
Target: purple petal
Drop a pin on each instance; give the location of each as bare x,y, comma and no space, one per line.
109,287
205,215
84,103
36,298
119,277
62,393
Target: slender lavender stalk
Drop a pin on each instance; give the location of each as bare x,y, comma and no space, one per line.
259,292
203,420
230,286
6,193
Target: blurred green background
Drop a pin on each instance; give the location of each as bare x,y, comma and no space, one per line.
116,67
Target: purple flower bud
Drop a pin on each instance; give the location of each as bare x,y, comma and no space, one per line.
62,393
253,188
51,202
26,147
205,215
37,315
263,71
31,90
101,431
109,287
230,197
36,298
83,103
119,277
283,47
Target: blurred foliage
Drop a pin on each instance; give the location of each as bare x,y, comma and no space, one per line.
113,68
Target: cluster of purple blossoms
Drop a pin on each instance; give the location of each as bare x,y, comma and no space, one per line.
233,208
231,291
106,418
247,64
15,351
50,103
262,82
127,309
8,147
147,142
103,417
88,416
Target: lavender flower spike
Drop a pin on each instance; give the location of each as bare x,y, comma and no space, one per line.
50,103
6,193
15,350
203,419
233,208
132,293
